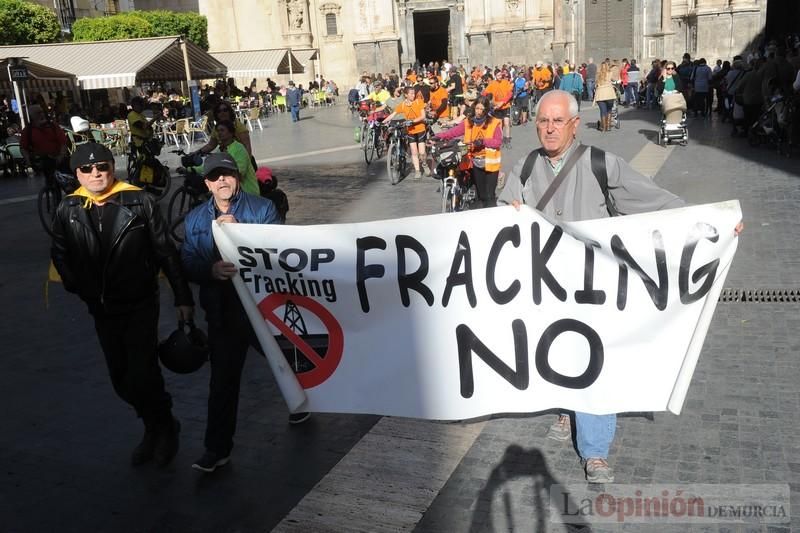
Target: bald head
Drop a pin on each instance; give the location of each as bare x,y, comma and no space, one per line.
557,122
556,97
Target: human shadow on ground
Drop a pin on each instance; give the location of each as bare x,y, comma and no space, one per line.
517,463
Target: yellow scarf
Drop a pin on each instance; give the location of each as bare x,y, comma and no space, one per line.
92,198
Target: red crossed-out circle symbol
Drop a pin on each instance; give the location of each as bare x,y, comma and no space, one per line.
324,367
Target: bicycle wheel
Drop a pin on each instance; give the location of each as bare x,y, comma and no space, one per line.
380,144
179,204
369,148
363,134
177,228
47,202
447,199
393,162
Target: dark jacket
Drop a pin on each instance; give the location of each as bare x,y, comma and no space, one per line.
128,276
199,253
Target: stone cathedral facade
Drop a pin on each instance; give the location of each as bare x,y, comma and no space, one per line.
353,36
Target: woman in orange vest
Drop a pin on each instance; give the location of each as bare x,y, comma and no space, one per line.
413,109
484,135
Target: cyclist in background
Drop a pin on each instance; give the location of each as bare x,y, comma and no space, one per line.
521,88
440,110
501,91
43,143
222,112
379,95
139,126
413,110
484,135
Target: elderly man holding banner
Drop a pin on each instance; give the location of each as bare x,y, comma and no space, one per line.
229,331
568,181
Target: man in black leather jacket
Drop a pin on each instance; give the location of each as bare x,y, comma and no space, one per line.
110,241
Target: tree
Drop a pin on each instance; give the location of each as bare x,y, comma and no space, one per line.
121,26
27,23
137,24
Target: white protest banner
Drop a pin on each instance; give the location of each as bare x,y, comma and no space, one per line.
492,311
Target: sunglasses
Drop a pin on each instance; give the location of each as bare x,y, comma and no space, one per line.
101,167
668,68
217,175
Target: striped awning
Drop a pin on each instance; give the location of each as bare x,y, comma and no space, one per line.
124,63
40,77
305,56
258,63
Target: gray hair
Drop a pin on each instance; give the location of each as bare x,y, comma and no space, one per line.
572,104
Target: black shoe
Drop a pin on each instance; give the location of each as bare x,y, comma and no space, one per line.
210,461
298,418
167,442
145,449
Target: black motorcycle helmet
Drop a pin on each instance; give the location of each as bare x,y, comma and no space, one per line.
183,352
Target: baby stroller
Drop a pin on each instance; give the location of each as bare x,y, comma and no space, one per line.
673,119
772,126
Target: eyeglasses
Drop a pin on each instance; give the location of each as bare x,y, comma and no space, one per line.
557,123
101,167
668,68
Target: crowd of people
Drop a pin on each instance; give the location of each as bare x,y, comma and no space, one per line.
739,89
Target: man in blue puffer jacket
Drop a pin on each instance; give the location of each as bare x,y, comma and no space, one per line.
229,331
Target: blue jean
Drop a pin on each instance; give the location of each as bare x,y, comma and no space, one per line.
594,434
630,94
605,107
590,89
652,97
295,112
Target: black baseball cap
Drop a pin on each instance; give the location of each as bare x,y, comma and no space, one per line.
219,161
89,154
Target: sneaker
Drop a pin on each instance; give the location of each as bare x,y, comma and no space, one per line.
210,461
598,471
560,430
298,418
418,175
145,450
167,443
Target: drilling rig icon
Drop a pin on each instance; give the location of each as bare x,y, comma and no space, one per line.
317,341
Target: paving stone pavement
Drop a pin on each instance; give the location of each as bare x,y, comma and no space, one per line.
66,437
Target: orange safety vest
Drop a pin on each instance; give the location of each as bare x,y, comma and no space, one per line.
437,97
491,156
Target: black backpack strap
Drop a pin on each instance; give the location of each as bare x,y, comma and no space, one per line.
601,174
527,167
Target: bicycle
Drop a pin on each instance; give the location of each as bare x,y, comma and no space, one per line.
398,149
57,184
454,168
146,171
375,139
189,195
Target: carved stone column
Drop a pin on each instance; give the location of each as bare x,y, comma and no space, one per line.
558,30
558,21
666,16
402,20
411,54
459,33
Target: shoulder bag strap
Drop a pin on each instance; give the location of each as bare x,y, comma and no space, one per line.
601,174
562,175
